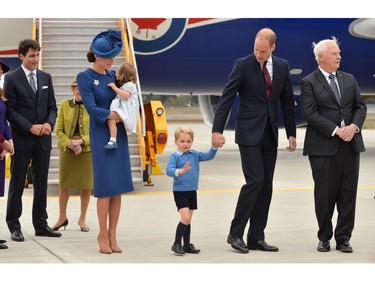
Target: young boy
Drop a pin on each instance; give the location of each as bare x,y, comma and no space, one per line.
183,166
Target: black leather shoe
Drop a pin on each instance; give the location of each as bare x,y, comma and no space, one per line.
177,248
263,246
17,236
2,245
344,247
323,246
47,231
237,244
190,248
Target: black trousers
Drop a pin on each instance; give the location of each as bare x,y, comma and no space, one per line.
335,184
258,166
19,166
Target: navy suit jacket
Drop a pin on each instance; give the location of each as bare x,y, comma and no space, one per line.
25,108
254,107
323,113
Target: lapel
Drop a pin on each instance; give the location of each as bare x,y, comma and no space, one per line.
40,85
320,77
275,73
340,80
259,74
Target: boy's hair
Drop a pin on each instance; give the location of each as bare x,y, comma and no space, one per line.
126,73
185,130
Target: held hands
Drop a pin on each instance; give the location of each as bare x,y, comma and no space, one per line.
185,169
75,145
41,129
217,140
346,133
77,150
8,146
292,144
3,154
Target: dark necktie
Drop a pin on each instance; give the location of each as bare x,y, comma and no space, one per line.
32,82
267,79
334,88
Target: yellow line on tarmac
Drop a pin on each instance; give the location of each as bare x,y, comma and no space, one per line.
204,191
233,190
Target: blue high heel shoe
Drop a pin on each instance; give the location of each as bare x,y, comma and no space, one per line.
64,224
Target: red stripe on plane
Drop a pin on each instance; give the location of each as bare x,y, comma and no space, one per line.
9,52
196,20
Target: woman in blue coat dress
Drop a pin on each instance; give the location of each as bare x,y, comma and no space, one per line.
6,142
5,134
112,171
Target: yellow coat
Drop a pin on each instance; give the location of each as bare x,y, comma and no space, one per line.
66,121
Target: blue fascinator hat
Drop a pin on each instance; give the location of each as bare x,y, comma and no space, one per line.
107,44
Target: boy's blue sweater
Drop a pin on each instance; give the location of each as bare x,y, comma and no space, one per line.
189,180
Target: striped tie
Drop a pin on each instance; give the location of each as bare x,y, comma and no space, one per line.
267,79
334,88
32,82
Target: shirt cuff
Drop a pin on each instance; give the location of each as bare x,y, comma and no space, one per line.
356,128
176,173
334,131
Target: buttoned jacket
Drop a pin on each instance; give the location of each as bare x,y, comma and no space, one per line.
69,113
254,108
323,113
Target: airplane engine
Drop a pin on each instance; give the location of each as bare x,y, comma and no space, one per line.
207,106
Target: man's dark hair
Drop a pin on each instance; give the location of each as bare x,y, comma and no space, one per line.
27,44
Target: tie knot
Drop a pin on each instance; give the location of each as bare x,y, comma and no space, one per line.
331,76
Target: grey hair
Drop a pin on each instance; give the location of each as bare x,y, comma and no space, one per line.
321,46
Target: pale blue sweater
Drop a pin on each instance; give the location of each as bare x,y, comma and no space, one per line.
189,180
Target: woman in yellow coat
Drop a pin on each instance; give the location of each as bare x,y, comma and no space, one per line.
72,131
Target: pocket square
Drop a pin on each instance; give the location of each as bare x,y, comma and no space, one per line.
45,87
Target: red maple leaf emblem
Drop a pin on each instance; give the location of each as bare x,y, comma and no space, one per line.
148,23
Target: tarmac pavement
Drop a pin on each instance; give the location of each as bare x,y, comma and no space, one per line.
149,218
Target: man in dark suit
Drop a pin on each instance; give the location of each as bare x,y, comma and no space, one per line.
31,111
332,105
261,81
